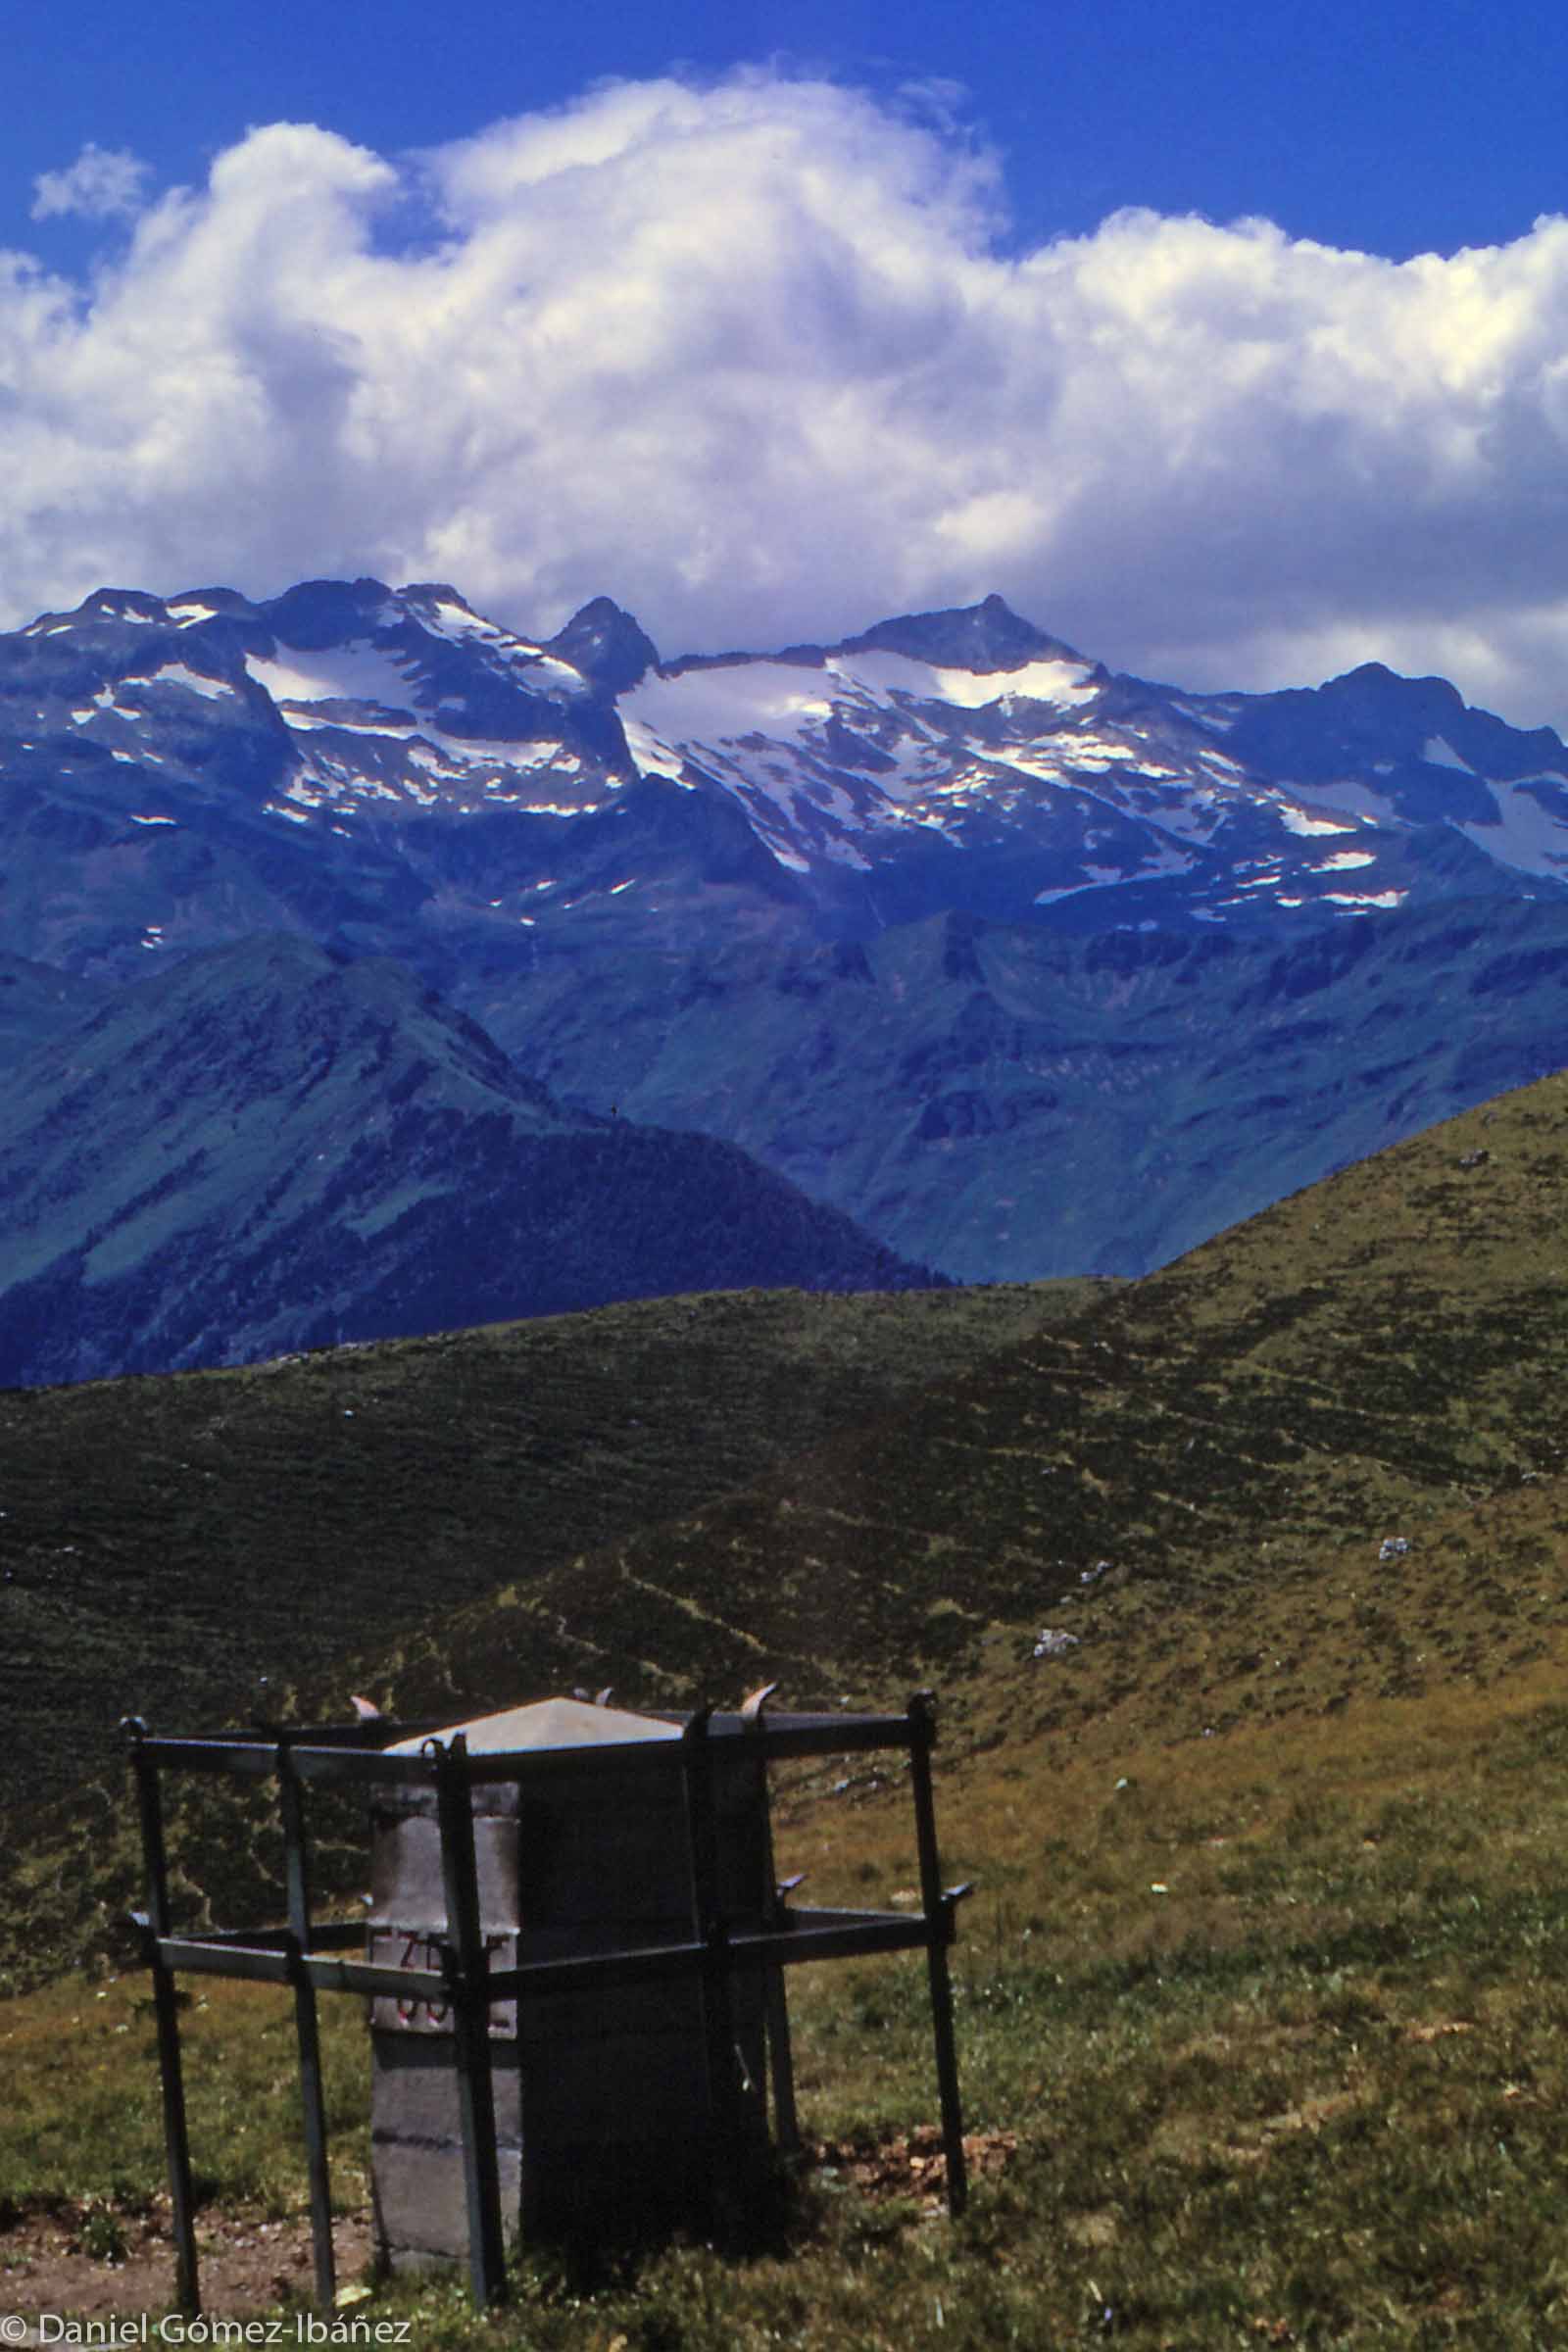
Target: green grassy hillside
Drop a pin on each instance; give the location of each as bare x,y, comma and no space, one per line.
1351,1368
1262,2033
1260,2000
166,1543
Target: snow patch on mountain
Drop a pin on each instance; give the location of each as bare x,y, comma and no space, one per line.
727,703
1362,802
1526,836
358,672
652,758
447,617
177,673
1166,861
900,676
1297,820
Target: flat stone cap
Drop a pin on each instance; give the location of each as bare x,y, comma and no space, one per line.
547,1723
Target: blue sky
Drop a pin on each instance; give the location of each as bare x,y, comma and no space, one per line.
1394,128
846,310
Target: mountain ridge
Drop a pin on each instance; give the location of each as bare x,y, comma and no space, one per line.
967,936
860,769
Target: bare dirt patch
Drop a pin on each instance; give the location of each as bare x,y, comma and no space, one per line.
909,2165
56,2262
246,2262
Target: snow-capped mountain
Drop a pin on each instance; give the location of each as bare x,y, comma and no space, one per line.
975,732
1025,966
957,760
354,694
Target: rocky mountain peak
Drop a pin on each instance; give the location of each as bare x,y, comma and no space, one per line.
985,638
317,613
607,644
119,604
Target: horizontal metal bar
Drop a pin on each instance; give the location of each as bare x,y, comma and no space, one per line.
243,1940
816,1935
586,1972
822,1735
368,1975
799,1916
326,1935
266,1738
255,1758
891,1730
263,1964
256,1963
848,1939
343,1753
803,1936
774,1742
374,1731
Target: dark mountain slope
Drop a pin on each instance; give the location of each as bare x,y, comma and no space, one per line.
266,1148
37,1001
1009,1101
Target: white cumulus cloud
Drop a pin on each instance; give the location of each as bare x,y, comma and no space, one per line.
101,182
756,359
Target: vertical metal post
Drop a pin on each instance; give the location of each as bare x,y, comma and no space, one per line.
176,2135
718,2029
781,2057
296,1866
468,1968
777,2012
938,1936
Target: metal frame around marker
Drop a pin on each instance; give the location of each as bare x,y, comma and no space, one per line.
312,1956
